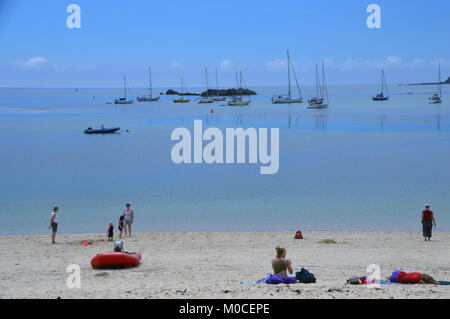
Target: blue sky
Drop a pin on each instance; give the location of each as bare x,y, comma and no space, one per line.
180,37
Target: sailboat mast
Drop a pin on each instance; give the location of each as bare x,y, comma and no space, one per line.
385,84
240,83
182,86
150,78
317,82
324,89
125,86
439,81
289,74
217,80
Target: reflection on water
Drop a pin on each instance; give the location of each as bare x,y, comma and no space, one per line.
356,165
316,121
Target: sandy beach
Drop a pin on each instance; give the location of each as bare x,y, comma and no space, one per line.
213,265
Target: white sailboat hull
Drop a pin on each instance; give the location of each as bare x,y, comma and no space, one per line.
148,99
314,101
238,103
123,102
318,106
205,100
286,100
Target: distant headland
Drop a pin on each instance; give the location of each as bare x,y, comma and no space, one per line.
435,83
173,92
213,92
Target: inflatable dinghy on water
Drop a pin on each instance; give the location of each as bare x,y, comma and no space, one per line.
102,130
116,260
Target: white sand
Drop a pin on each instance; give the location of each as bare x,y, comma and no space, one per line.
212,265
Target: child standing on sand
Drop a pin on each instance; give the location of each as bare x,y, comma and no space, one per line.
110,231
54,223
120,227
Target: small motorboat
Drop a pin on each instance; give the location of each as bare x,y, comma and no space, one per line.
116,260
102,130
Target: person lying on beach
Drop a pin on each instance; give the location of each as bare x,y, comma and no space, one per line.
280,264
402,277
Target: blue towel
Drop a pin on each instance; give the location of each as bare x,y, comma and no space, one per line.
260,281
443,283
384,282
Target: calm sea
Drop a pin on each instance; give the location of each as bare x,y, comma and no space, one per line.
358,165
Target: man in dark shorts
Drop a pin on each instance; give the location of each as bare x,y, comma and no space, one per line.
54,223
427,222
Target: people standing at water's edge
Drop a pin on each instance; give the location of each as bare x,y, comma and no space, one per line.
280,264
128,216
427,222
120,226
110,231
54,223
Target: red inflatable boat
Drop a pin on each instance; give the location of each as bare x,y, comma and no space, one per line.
116,260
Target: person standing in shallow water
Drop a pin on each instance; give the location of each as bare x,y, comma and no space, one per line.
128,217
54,223
427,222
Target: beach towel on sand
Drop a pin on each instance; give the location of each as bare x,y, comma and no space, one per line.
443,283
278,279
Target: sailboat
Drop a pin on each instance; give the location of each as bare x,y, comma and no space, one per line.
205,99
123,100
289,99
436,98
320,101
181,99
381,96
149,98
218,98
237,100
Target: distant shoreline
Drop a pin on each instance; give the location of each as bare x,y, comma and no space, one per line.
430,83
215,92
101,235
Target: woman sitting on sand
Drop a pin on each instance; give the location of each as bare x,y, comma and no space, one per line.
410,278
280,264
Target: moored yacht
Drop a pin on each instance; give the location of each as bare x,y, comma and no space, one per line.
123,100
437,97
149,98
320,101
384,89
289,99
238,100
181,99
205,99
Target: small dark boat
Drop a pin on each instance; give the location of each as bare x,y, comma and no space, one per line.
381,96
102,130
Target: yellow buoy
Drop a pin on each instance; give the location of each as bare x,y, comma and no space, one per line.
212,111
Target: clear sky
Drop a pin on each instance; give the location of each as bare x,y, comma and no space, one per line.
180,37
